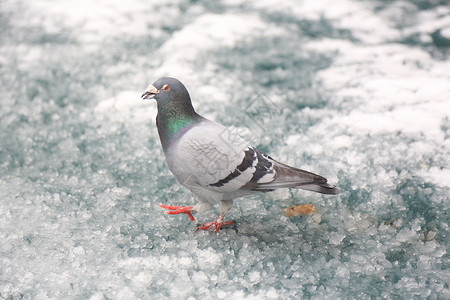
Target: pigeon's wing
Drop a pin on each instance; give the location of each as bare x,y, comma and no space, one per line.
218,159
213,156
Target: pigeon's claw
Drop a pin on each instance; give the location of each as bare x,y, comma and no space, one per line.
217,223
175,210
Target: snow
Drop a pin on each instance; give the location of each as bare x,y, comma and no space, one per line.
359,92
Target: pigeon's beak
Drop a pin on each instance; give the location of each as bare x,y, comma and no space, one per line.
150,92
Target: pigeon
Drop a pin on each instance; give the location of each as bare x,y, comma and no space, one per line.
212,161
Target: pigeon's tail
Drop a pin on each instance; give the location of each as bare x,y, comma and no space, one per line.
290,177
323,188
316,182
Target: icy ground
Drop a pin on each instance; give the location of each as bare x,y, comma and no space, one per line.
358,91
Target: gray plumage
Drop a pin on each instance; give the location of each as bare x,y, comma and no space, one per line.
212,161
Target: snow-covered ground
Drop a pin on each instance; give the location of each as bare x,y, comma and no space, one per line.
357,91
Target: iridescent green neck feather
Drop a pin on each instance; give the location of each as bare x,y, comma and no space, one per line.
177,124
173,120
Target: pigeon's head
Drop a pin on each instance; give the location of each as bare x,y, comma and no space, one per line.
166,91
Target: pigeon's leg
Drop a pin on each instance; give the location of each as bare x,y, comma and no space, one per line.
225,206
175,210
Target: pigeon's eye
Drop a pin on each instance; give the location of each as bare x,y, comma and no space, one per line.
166,87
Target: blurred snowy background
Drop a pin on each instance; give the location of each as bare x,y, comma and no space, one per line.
361,95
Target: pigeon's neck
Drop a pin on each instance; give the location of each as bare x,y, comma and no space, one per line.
173,122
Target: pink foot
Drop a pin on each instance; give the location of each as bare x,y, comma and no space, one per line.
175,210
218,223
